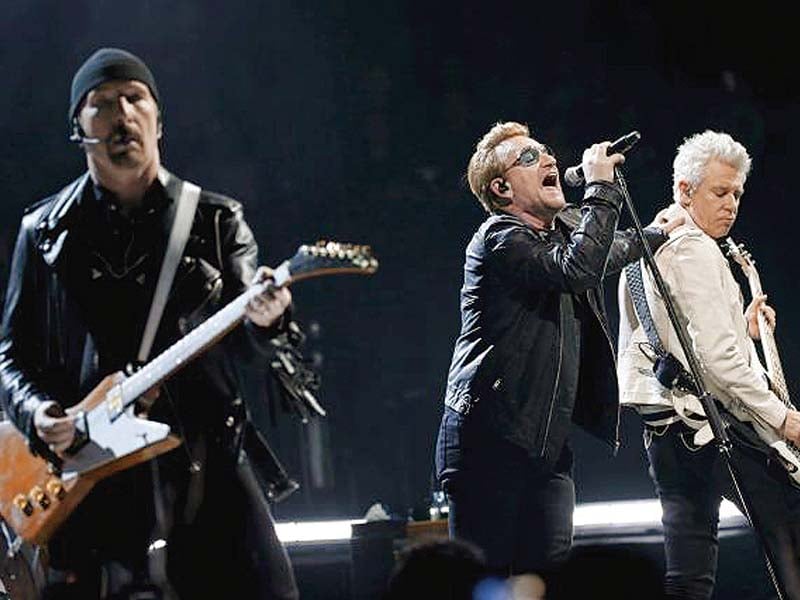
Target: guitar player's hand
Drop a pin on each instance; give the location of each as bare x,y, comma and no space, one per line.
54,427
759,303
266,308
791,427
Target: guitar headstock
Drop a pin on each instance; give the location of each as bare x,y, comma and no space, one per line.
740,254
329,258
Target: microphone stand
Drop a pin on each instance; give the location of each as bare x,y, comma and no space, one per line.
708,402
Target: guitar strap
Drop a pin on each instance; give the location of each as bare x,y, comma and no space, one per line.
667,368
183,210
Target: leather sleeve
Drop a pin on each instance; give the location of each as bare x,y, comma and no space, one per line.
626,247
239,254
534,264
20,350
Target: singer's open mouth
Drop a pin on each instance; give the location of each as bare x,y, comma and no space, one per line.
550,180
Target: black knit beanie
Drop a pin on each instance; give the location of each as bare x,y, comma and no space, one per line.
108,64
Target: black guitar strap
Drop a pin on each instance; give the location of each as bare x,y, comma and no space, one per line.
667,368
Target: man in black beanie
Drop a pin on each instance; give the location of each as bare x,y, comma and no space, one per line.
82,281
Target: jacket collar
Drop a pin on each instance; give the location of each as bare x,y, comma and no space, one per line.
689,226
540,233
53,229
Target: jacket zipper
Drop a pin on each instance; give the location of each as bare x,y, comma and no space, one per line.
59,343
558,379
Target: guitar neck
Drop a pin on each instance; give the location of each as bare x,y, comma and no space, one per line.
769,345
176,356
196,341
322,258
772,358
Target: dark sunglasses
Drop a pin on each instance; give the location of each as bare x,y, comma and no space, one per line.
530,156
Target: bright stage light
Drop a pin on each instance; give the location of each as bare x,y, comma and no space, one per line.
626,513
156,545
611,515
315,531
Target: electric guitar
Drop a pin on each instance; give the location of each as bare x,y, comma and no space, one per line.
38,493
788,452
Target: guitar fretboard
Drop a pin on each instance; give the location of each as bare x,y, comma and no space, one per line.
322,258
196,341
768,343
771,357
187,348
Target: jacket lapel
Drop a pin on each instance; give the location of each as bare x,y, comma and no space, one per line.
52,230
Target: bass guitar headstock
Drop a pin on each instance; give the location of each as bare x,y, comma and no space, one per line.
740,255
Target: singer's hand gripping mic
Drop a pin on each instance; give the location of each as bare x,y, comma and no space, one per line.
574,175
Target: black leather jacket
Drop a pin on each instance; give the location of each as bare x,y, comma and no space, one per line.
209,489
535,350
45,348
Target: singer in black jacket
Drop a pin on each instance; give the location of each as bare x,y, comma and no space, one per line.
534,351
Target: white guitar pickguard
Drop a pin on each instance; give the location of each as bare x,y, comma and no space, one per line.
110,440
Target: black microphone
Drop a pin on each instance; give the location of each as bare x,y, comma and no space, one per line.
77,136
574,175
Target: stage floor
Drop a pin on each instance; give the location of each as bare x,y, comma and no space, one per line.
357,567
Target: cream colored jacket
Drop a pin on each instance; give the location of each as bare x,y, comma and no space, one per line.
709,302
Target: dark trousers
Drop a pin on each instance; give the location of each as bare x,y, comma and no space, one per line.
690,482
515,508
228,550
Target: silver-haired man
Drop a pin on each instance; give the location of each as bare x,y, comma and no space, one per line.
709,174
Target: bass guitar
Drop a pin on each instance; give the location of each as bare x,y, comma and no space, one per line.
788,452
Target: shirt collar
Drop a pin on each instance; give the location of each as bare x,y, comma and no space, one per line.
154,201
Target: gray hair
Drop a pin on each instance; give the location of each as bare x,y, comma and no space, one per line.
698,150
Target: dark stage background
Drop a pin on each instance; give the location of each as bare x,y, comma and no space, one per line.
354,120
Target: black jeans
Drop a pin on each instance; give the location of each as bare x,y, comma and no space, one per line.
690,482
517,510
228,550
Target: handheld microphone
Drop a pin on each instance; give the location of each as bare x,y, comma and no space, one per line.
574,175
